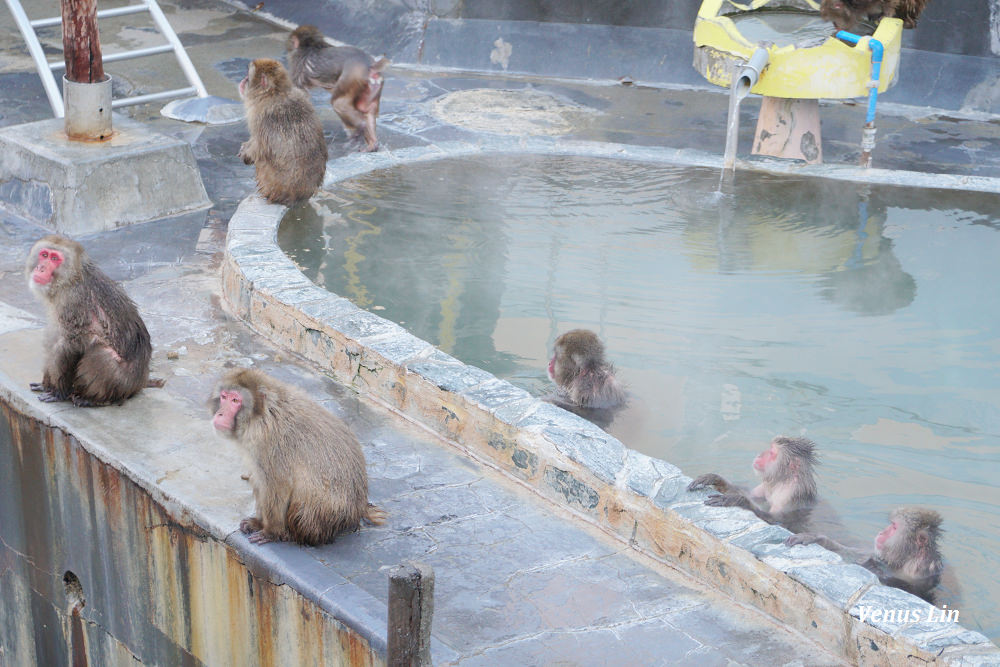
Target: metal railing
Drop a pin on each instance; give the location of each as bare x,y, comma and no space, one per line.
46,67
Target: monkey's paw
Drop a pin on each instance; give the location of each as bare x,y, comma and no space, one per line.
800,538
728,500
36,386
701,481
52,396
260,537
244,155
251,525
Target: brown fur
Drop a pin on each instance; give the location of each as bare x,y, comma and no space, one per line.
846,14
97,348
909,559
307,468
286,144
353,78
582,375
787,488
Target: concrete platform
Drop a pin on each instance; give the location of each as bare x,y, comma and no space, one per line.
79,187
520,580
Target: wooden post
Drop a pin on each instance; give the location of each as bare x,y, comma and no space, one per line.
81,43
411,605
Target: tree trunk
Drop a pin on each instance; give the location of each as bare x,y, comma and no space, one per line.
81,43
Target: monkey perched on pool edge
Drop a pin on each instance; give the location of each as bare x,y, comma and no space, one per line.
286,143
906,552
787,485
353,78
306,467
97,348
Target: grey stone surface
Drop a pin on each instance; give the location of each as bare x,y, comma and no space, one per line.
449,376
722,522
838,582
760,534
76,187
590,446
643,474
890,609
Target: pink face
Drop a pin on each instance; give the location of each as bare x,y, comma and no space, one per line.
552,367
765,458
230,403
48,261
884,536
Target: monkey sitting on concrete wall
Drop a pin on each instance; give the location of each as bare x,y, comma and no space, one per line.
353,78
906,551
787,487
306,467
286,144
97,348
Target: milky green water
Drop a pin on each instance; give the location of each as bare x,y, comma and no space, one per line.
866,320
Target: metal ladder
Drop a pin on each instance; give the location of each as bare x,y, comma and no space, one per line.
45,68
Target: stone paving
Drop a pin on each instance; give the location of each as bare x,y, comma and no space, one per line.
519,580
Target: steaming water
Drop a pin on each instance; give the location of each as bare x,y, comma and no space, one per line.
866,320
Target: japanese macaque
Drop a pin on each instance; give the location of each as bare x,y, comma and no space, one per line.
307,469
286,143
786,494
353,78
906,551
846,14
582,376
97,349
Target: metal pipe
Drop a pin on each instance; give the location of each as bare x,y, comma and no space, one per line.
38,55
743,81
123,55
101,14
182,57
152,97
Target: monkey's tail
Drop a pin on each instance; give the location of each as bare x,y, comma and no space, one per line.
375,516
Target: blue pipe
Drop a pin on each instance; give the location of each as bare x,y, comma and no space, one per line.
877,50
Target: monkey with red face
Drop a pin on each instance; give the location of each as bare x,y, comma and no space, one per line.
306,467
906,552
97,348
787,492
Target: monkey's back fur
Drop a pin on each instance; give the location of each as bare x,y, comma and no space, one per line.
97,348
307,468
289,149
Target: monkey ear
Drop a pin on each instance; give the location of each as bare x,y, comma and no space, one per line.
263,81
922,538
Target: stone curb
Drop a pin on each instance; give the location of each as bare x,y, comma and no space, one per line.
638,499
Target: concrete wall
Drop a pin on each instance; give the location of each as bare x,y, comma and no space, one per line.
157,588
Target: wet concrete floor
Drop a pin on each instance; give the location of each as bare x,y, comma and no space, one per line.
518,581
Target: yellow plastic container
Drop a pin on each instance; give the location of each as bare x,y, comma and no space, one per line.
831,69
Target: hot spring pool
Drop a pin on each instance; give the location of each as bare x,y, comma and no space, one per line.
863,317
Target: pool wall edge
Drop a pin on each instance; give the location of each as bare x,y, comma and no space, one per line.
639,500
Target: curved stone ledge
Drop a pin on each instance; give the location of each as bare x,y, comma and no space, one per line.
566,459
